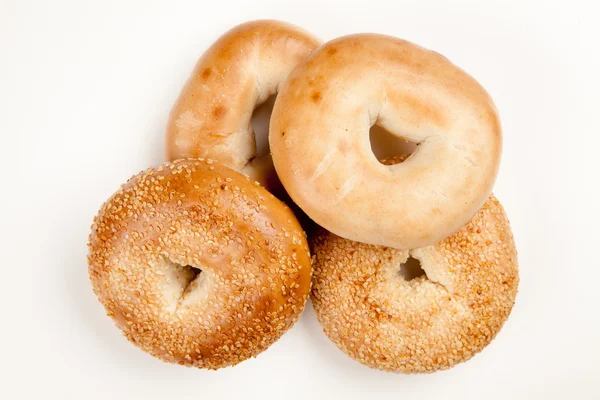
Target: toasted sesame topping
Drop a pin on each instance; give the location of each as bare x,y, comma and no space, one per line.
197,271
431,322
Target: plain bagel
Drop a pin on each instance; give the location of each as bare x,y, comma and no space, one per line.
198,265
432,322
212,115
319,139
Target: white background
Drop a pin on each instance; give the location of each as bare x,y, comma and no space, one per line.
85,90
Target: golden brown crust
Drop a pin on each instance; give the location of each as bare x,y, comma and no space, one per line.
252,253
426,324
245,66
319,138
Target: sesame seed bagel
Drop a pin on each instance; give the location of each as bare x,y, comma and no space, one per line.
319,138
432,322
198,265
241,70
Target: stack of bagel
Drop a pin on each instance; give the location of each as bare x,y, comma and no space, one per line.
409,261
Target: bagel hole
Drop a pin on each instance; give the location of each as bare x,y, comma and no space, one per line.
190,273
386,145
411,269
261,116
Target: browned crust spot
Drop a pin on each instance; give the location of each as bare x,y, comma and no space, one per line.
316,96
206,73
218,112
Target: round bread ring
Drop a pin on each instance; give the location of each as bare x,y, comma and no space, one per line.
241,70
319,139
152,237
428,323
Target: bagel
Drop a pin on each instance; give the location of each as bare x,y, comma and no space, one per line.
432,322
197,265
241,70
319,139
